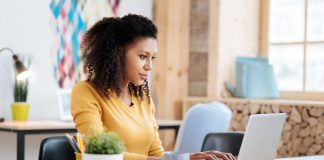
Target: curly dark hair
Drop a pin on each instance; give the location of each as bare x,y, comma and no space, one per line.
103,49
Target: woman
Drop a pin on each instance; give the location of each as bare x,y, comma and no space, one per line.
118,54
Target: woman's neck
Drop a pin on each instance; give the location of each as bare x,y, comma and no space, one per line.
125,95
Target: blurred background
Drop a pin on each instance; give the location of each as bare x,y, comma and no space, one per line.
198,45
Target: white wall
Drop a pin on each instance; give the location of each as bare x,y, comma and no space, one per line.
142,7
238,35
25,27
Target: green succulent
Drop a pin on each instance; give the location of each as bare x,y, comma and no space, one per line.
20,91
104,143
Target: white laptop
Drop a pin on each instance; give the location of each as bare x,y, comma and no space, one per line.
261,136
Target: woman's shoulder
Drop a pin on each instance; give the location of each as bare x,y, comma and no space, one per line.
83,86
85,90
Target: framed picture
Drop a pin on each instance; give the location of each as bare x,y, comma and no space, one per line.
64,96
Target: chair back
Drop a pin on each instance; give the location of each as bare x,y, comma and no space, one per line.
56,148
200,120
229,142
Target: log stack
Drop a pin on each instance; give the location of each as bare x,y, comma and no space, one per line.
303,132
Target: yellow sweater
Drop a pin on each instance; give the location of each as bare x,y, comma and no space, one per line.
135,125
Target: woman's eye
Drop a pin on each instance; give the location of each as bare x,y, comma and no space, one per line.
142,57
153,57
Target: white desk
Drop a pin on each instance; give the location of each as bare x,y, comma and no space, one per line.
34,127
320,157
44,127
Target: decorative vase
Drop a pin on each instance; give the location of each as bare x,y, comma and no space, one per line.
20,111
87,156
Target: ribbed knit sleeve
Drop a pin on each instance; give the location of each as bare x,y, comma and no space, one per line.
156,148
85,110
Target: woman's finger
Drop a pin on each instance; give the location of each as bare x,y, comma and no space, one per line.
218,155
211,157
203,156
230,156
197,156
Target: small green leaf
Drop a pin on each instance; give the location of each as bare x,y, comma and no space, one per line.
21,91
104,143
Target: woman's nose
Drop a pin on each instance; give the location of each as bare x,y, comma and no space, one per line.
148,65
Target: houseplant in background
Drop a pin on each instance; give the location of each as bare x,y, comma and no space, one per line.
104,146
19,108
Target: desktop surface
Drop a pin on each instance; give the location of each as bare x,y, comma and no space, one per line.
35,125
319,157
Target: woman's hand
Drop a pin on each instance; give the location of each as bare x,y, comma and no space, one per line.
212,155
224,156
202,156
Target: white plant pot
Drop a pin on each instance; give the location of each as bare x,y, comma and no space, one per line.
86,156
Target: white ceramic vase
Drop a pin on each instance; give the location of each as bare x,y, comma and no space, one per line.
86,156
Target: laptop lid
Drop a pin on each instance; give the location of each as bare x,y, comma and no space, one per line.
261,136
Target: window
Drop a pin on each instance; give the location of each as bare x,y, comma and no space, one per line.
295,43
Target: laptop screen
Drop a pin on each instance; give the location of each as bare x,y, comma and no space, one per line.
261,136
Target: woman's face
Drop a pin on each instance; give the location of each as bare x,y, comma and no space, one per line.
138,60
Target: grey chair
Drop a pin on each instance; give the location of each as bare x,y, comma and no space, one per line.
228,142
200,120
56,148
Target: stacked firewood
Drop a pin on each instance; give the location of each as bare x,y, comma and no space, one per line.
303,132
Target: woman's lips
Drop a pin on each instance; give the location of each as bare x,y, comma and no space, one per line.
144,76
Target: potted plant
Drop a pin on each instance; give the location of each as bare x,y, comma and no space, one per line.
104,146
20,108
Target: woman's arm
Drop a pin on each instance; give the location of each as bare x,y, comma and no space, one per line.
156,150
85,110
